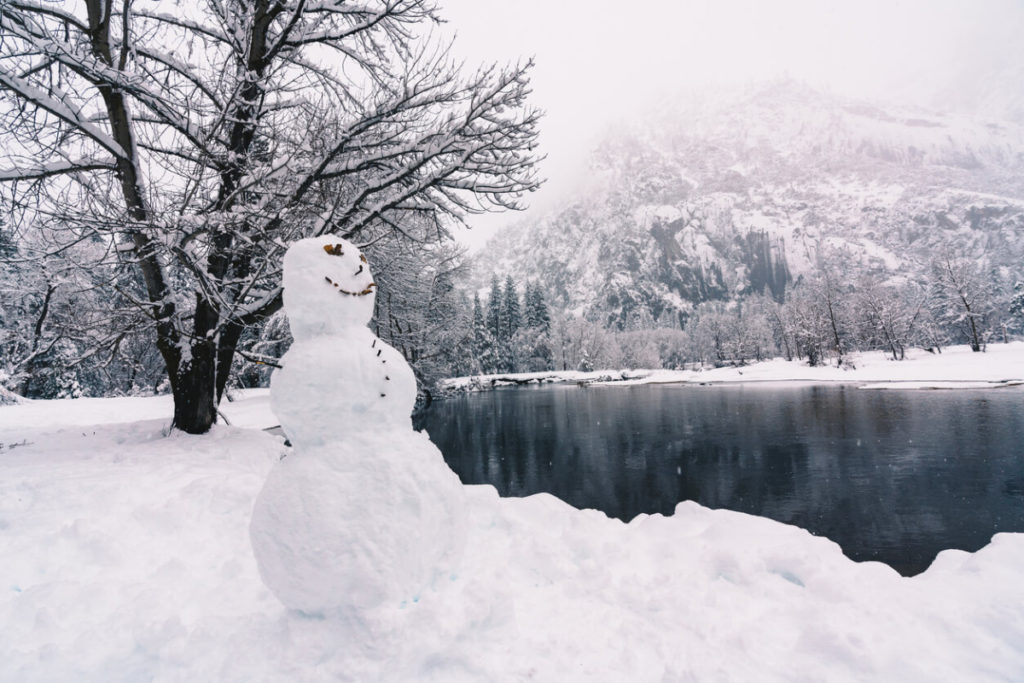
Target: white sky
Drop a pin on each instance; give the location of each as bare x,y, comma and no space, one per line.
600,60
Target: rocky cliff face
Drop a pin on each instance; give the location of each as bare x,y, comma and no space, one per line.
725,194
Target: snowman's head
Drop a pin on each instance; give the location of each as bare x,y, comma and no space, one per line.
328,287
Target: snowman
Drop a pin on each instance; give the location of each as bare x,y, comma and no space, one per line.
363,513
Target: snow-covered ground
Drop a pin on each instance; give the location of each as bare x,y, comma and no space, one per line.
955,367
125,555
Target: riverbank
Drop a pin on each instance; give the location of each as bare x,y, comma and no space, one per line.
955,367
126,557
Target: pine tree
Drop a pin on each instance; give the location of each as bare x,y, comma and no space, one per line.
479,327
537,314
513,316
532,347
528,313
494,308
1017,307
483,341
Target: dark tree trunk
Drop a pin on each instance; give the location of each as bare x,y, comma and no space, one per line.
975,337
195,404
199,384
37,335
226,355
835,329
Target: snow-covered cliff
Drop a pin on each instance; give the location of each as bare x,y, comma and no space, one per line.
718,194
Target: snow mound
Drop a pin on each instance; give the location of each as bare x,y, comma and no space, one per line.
8,397
126,556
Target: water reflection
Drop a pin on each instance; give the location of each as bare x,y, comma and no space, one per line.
893,476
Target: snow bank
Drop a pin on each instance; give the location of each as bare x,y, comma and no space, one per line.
8,397
126,557
485,382
253,410
956,367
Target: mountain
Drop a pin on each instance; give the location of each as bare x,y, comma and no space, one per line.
720,194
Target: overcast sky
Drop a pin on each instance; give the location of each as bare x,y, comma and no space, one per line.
601,60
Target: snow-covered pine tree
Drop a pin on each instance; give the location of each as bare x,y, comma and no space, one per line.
528,316
532,344
479,338
494,309
513,314
537,314
510,320
1016,309
484,359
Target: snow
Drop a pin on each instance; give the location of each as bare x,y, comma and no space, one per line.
126,556
483,382
52,168
956,367
61,110
889,259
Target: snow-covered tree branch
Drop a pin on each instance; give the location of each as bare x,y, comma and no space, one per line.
195,145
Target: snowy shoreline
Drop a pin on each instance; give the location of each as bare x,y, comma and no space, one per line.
127,557
957,367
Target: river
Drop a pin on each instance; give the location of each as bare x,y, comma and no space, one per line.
890,475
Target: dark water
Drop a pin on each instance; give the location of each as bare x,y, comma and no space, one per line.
894,476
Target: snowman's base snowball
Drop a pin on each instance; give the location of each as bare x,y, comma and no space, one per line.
349,527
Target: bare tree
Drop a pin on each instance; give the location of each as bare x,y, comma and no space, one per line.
580,344
193,145
52,323
819,311
713,331
889,317
963,298
809,321
418,310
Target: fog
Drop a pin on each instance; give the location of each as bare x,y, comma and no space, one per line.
599,61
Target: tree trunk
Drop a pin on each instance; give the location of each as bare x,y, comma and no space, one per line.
195,390
835,329
37,335
975,341
199,384
226,355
